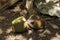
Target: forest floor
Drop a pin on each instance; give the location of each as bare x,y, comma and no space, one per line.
51,32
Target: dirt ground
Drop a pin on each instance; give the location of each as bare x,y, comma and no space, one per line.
51,32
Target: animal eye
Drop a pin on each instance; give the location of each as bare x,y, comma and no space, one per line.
32,22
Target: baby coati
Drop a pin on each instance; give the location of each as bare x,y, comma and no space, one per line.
38,23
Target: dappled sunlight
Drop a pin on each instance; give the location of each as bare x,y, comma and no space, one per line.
56,38
1,31
9,30
30,32
51,0
13,37
16,9
53,12
47,31
2,17
49,27
54,26
20,37
30,39
10,37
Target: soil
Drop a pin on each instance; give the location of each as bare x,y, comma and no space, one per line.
51,30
